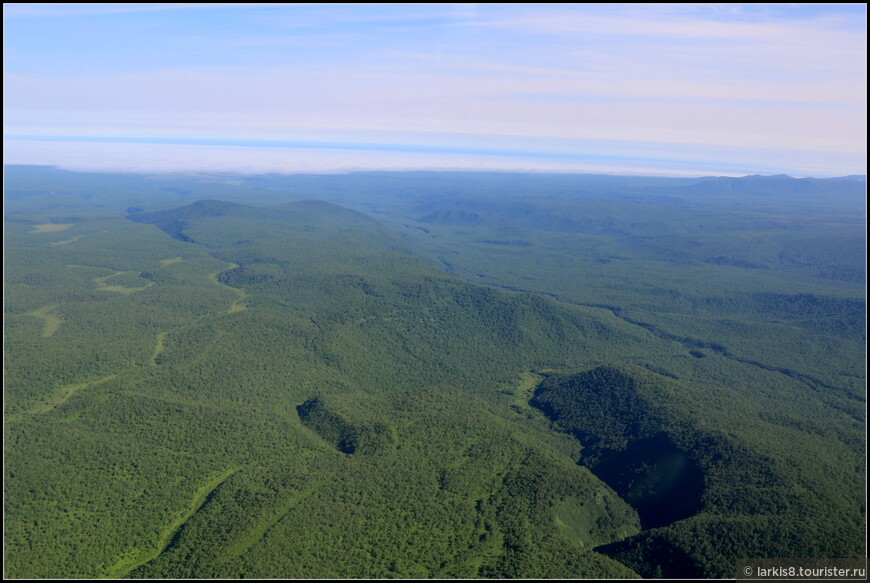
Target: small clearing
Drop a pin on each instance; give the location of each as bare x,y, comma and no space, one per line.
64,393
237,305
158,348
139,557
58,397
51,321
68,241
103,286
242,546
51,227
524,391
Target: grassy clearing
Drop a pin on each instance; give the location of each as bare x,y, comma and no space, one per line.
51,227
68,241
51,321
165,262
237,305
526,387
65,393
58,397
125,565
242,546
523,393
158,347
102,284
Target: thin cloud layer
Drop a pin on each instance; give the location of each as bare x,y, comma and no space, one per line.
769,84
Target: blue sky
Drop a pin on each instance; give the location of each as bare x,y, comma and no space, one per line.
661,89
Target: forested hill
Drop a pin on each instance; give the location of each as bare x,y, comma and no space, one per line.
704,495
847,186
303,214
819,194
330,407
305,390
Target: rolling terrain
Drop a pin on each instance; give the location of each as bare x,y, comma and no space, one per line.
431,375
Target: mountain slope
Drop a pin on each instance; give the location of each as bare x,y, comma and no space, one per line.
694,482
291,393
344,416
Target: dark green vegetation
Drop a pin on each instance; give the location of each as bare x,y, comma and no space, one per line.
216,376
704,494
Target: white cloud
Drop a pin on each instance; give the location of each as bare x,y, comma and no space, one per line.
115,157
63,10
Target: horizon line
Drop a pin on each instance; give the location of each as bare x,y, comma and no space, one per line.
440,171
557,161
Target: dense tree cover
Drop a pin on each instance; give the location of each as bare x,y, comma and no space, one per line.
471,500
101,330
222,390
683,478
221,393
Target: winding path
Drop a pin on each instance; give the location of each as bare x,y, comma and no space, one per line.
237,305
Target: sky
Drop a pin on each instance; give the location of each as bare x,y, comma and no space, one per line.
679,90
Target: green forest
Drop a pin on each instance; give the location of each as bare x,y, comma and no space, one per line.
430,374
